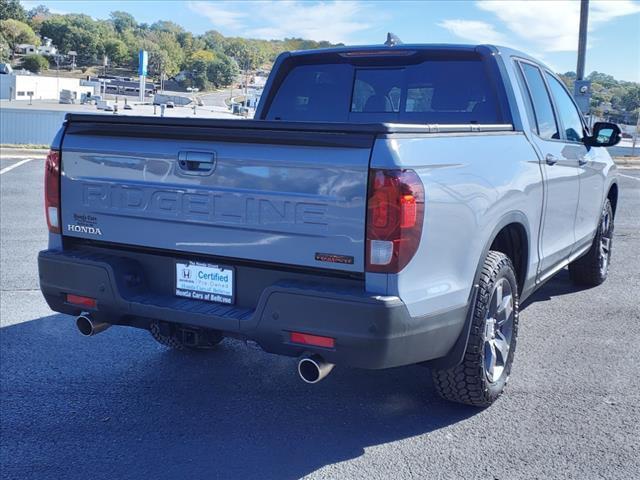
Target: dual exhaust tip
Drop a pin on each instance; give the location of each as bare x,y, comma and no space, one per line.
311,368
88,327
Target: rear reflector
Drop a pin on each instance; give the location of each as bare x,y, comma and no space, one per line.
315,340
81,301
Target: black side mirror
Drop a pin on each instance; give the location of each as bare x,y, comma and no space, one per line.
604,134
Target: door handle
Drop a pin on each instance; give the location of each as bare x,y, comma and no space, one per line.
551,159
197,163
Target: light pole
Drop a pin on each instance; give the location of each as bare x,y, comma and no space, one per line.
582,38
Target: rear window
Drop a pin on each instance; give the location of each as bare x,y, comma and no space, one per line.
434,91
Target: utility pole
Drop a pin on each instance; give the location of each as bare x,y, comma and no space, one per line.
582,38
582,87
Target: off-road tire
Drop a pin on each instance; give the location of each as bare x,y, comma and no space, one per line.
468,382
207,339
588,270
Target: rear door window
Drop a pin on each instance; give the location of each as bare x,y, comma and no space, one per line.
434,91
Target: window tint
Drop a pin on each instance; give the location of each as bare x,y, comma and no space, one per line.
567,111
377,91
542,107
314,93
434,91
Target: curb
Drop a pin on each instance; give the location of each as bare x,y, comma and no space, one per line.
23,152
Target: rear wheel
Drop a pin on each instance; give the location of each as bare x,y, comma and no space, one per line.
592,268
181,338
482,376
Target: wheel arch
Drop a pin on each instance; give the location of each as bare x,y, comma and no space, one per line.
612,195
515,221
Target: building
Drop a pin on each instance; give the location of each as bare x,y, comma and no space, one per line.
23,86
25,49
47,47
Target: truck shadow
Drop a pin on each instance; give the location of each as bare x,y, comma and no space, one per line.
558,285
119,406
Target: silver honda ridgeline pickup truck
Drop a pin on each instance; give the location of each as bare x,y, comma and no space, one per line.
387,206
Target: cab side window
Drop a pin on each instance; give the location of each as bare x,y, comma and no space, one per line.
567,111
542,107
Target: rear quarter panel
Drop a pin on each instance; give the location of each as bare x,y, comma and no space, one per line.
473,184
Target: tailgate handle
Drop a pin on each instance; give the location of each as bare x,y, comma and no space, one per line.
197,163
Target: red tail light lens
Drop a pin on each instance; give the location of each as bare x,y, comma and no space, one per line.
52,190
395,213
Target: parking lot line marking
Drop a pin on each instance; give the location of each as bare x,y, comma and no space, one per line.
629,176
15,165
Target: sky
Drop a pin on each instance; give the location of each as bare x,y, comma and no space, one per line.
545,29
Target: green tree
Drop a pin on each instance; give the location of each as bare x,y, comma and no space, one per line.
122,21
12,10
222,71
198,74
37,15
245,53
35,63
16,32
630,99
116,50
5,49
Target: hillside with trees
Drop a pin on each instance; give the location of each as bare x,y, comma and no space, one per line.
207,60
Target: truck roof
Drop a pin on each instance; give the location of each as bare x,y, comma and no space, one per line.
454,47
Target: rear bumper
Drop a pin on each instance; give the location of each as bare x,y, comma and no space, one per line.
370,331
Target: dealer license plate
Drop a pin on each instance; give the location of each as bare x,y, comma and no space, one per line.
202,281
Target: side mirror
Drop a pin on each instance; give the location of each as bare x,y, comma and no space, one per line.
604,134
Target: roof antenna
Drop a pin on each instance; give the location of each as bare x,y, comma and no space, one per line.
392,40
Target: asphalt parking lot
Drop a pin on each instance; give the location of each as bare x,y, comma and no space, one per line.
120,406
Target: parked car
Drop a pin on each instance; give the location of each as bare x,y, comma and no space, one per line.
387,206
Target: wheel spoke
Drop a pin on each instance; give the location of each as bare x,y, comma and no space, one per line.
491,365
496,301
505,309
502,346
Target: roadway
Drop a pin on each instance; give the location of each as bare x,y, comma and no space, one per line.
118,405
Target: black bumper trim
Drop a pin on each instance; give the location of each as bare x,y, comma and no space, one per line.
370,331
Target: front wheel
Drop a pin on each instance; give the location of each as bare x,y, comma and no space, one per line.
482,376
592,268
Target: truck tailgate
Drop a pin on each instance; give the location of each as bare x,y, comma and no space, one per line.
231,190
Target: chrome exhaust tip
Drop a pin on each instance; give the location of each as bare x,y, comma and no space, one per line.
88,327
313,368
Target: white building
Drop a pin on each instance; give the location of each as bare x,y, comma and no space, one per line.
25,49
22,86
47,47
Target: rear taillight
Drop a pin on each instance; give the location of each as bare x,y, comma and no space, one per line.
395,211
52,190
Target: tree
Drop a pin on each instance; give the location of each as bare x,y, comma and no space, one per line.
12,10
116,50
37,15
5,49
222,71
198,74
630,99
35,63
246,54
122,21
16,32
